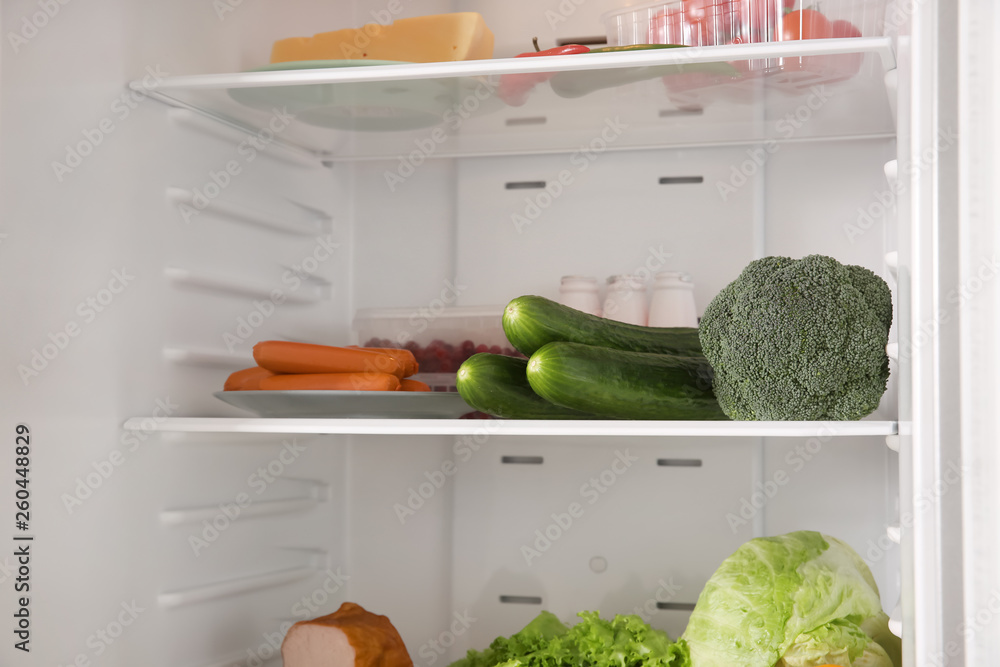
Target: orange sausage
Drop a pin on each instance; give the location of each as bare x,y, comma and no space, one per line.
413,385
405,357
248,378
284,357
332,381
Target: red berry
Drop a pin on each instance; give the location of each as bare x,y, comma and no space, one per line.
495,349
482,348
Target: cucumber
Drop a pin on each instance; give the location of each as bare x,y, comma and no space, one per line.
532,321
624,385
497,385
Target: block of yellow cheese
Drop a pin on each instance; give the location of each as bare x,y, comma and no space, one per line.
422,39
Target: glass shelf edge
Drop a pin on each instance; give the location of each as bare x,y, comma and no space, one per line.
471,68
512,427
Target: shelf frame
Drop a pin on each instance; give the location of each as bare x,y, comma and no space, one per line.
470,68
514,427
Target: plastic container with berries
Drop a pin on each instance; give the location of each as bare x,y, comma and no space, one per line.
715,22
440,338
718,22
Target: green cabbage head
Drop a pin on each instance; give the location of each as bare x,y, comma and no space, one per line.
796,600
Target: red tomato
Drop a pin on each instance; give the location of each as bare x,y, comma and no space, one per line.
667,27
758,20
697,11
845,65
805,24
712,21
844,29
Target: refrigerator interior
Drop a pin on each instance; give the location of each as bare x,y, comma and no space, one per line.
128,299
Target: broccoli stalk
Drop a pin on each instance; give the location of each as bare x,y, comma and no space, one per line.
799,340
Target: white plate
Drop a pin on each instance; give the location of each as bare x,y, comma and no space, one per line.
350,404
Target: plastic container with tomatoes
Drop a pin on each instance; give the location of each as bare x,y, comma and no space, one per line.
716,22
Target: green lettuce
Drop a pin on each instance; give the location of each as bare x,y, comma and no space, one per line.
796,600
624,641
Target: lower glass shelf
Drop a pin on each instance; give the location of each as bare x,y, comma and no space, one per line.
514,427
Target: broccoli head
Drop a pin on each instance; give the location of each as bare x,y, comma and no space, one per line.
799,339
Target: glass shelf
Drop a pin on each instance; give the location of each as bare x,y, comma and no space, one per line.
734,94
514,427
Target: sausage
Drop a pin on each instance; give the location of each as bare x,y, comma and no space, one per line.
248,378
331,381
286,357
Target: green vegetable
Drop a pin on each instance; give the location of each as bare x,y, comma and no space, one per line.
532,321
796,600
636,47
625,641
497,385
799,340
624,385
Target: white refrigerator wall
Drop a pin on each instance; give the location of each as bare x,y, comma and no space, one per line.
145,250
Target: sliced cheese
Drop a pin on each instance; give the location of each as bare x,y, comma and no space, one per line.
423,39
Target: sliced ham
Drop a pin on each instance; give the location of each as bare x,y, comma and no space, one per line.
349,637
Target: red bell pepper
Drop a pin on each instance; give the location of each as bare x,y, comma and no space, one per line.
514,88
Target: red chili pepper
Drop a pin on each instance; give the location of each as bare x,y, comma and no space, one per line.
514,88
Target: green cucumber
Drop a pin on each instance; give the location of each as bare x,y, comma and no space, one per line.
532,321
624,385
497,385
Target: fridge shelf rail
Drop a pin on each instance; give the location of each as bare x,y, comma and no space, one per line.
728,94
514,427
